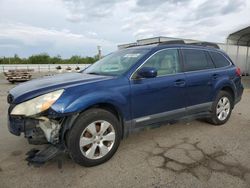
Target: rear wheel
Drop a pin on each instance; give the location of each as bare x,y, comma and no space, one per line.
94,138
221,108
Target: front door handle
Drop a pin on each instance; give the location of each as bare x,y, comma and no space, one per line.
179,83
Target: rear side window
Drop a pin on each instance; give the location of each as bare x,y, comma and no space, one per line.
219,60
196,60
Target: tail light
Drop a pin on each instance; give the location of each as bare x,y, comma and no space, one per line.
238,73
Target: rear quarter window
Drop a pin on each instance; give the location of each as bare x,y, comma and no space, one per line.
219,60
196,60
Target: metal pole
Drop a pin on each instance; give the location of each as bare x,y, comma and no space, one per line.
237,54
99,48
227,46
247,62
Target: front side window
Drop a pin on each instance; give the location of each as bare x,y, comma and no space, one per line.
165,62
196,60
219,60
117,63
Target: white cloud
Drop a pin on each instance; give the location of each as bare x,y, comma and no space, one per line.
150,5
197,19
69,27
30,35
11,46
92,33
74,17
51,38
213,8
80,10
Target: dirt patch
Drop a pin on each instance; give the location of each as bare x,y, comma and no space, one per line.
16,153
186,157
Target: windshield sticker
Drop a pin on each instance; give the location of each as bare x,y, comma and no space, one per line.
132,55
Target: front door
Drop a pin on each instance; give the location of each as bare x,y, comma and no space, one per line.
162,97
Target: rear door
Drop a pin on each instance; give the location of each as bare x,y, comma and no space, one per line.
157,99
198,68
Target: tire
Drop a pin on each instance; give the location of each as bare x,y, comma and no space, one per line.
223,101
97,146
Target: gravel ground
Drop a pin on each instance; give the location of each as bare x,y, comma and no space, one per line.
186,154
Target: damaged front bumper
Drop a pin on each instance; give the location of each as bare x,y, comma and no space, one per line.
39,130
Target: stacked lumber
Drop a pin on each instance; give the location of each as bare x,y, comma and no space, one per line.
19,75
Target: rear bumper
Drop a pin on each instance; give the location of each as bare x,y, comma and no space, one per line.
239,94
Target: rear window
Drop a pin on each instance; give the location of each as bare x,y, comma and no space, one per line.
219,60
196,60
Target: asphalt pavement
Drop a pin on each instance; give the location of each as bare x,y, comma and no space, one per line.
185,154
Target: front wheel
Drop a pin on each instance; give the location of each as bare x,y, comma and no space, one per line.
221,108
94,138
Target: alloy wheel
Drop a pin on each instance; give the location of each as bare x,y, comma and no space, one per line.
223,108
97,139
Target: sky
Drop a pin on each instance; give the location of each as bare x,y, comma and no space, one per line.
77,27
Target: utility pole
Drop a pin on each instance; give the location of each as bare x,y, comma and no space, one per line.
99,48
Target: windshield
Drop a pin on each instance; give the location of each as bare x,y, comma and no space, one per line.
116,63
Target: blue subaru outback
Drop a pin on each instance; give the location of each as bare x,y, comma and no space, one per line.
87,114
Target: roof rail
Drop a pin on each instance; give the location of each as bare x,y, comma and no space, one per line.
206,44
151,43
172,42
163,41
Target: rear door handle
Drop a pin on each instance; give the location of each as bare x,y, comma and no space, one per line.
180,83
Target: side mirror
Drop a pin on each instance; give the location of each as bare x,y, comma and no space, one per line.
147,72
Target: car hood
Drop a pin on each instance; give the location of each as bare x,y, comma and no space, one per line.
36,87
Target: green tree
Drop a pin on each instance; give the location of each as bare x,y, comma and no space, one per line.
56,60
39,59
46,59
